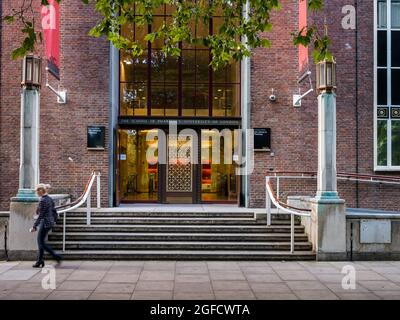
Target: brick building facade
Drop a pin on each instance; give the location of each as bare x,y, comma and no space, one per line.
65,161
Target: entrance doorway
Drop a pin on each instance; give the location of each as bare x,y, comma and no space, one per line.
198,168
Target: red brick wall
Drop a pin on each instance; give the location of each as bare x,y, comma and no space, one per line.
85,75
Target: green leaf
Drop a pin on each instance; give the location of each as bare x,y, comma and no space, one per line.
9,19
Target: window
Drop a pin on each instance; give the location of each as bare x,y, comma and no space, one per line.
387,84
155,85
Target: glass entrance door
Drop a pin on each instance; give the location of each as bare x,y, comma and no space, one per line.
180,170
138,168
219,183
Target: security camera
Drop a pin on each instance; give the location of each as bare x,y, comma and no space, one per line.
272,97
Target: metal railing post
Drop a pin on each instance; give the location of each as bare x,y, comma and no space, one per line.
98,191
267,202
64,229
292,233
277,188
88,208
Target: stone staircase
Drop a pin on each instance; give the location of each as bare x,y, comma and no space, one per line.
179,235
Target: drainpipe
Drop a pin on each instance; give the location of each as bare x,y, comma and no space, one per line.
245,113
5,241
356,109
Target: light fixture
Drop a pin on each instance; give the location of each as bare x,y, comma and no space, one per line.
61,94
326,76
128,61
31,71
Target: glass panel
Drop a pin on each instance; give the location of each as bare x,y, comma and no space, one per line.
382,87
382,143
169,9
138,171
395,13
395,143
157,23
395,43
382,48
395,86
198,31
216,24
195,66
164,69
133,99
136,32
218,179
133,69
382,14
202,68
226,100
128,31
160,11
195,100
164,100
228,74
188,63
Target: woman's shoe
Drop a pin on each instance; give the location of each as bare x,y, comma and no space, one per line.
38,264
59,259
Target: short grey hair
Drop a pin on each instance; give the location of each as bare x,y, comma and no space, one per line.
42,187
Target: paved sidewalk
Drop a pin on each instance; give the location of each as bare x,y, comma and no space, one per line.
200,280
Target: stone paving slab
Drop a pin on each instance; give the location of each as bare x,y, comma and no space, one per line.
21,275
152,295
201,280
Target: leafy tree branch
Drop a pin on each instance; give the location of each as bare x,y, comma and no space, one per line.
234,39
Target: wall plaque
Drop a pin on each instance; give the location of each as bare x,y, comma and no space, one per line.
96,137
262,139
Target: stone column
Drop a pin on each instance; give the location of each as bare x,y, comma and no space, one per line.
326,179
29,145
328,210
22,243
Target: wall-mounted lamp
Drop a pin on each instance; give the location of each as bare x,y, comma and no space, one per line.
298,97
61,94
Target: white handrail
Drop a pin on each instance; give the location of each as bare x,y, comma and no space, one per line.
271,199
86,198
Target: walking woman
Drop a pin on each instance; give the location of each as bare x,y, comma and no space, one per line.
45,221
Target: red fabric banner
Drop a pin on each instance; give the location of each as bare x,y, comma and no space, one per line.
303,51
51,32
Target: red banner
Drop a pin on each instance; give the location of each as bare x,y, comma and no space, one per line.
51,32
303,51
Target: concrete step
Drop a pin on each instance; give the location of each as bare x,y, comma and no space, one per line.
178,245
83,236
171,221
161,214
179,228
188,255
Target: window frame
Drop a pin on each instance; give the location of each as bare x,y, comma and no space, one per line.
389,68
181,83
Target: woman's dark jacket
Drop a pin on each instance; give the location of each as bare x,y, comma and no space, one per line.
46,212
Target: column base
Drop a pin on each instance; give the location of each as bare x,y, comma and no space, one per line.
329,227
328,197
22,215
25,195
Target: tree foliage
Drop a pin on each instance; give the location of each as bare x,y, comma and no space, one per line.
237,34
